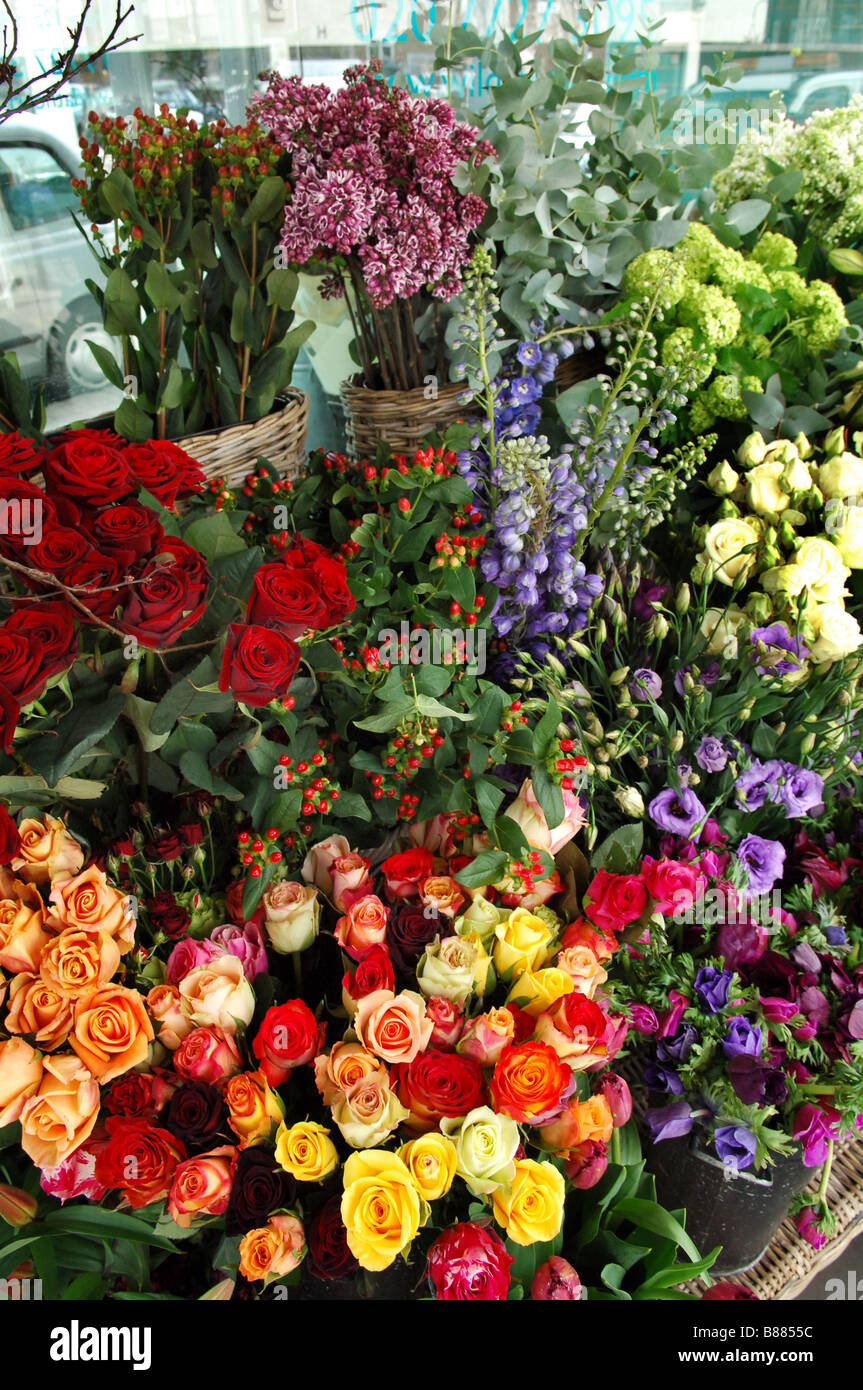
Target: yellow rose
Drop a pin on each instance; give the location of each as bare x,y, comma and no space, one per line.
824,572
783,579
723,547
837,633
848,538
532,1208
253,1108
841,476
381,1207
306,1151
540,988
763,491
523,943
719,629
431,1162
369,1112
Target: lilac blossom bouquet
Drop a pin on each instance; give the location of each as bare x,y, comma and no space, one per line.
374,198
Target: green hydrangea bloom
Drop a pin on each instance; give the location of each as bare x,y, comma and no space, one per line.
654,268
724,398
712,313
825,316
748,174
775,250
827,153
794,285
680,347
729,269
696,251
701,417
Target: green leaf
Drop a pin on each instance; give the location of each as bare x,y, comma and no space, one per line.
197,770
461,585
389,718
140,712
132,422
98,1222
486,868
657,1220
620,850
353,805
549,796
435,710
108,364
253,891
54,754
268,200
122,310
201,242
509,836
214,536
488,799
186,698
281,287
748,214
160,287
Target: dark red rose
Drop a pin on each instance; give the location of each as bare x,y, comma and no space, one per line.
524,1024
258,664
60,548
131,1095
164,470
437,1084
26,513
191,833
90,470
469,1262
406,871
289,1036
260,1187
9,712
332,578
166,847
287,599
127,530
10,840
139,1159
410,928
168,598
86,434
167,915
234,905
374,971
737,1293
302,553
329,1254
197,1116
18,455
99,584
49,628
19,665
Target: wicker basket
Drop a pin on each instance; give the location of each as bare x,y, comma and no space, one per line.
230,452
401,419
578,367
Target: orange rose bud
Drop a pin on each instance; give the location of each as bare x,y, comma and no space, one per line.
17,1208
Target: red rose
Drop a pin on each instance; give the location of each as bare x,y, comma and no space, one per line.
613,900
165,848
99,584
258,664
60,548
88,469
128,530
17,455
26,515
672,884
437,1084
167,915
130,1095
234,905
191,833
302,553
163,469
49,628
329,1253
19,665
825,874
287,599
169,597
289,1036
10,840
374,971
9,712
406,871
332,578
469,1262
138,1159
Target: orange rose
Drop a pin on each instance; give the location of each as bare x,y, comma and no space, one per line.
364,925
351,880
76,963
62,1113
442,892
39,1009
202,1185
343,1066
272,1251
581,1121
22,933
92,904
528,1081
395,1027
583,968
112,1031
253,1108
602,943
20,1074
164,1003
46,850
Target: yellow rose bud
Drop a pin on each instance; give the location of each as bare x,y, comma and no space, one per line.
431,1162
534,991
752,450
523,943
723,479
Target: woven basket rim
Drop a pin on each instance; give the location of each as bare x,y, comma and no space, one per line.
291,397
353,387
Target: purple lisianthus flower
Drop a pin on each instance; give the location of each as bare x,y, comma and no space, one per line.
736,1146
710,754
707,675
711,986
646,684
759,783
800,791
648,594
742,1039
669,1121
765,861
677,813
777,638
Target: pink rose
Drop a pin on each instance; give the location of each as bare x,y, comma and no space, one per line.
318,863
165,1005
673,885
351,879
670,1020
486,1036
76,1175
435,834
208,1054
527,813
778,1010
246,943
612,901
188,955
448,1022
395,1027
364,925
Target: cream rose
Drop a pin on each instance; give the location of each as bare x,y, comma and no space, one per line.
219,993
368,1113
486,1144
848,538
824,573
343,1066
292,913
723,547
763,490
318,863
841,476
719,629
447,968
837,633
165,1005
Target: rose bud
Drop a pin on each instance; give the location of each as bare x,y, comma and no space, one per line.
17,1207
586,1164
556,1280
448,1022
619,1097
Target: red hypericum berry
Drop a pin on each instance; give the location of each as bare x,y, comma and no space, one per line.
566,745
288,702
377,794
389,760
515,706
413,762
257,846
302,767
567,784
454,609
317,759
580,760
285,759
438,740
247,859
427,751
272,833
404,504
323,805
276,856
244,837
470,619
255,871
308,808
